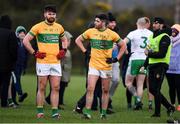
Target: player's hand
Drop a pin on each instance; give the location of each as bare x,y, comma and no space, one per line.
61,54
142,69
40,55
111,60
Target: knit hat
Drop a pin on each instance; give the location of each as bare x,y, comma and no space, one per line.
159,20
111,17
20,29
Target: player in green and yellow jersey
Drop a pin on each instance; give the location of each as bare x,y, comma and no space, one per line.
101,39
48,33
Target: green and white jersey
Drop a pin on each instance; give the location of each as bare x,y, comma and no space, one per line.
139,40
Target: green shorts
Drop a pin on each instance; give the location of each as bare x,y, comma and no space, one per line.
134,67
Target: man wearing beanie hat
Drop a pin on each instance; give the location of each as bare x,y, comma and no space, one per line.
112,24
100,65
48,34
20,67
158,53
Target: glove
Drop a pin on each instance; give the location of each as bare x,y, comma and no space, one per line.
111,60
61,54
40,55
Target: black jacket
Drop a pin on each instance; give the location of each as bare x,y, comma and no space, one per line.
163,47
8,49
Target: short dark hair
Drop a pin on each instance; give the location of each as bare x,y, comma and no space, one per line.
102,17
50,7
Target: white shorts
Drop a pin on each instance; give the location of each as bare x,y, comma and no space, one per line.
48,69
101,73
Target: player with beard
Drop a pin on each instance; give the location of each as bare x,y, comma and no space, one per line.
48,33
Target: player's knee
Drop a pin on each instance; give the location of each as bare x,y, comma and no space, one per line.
41,88
55,88
105,91
90,89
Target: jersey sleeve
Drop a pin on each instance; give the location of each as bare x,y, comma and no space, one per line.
61,31
86,34
34,30
130,36
116,38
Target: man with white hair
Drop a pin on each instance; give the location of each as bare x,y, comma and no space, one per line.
139,41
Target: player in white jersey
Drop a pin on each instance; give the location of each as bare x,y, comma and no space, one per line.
139,41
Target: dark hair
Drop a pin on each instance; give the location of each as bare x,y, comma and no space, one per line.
5,22
50,7
102,17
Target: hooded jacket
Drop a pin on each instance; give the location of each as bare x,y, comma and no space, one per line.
8,45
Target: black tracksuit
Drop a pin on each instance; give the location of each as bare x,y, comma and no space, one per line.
8,55
157,72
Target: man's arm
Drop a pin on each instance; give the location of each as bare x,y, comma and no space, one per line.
163,47
79,43
64,42
122,49
26,42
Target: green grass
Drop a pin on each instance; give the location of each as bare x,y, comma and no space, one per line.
26,113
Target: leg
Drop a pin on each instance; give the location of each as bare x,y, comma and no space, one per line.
55,86
129,81
48,97
42,82
115,78
92,79
105,92
4,79
150,96
95,98
129,98
172,87
156,76
140,83
61,92
177,79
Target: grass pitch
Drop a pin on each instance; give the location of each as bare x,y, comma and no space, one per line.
26,113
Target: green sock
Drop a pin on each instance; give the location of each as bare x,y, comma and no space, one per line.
135,99
10,101
87,111
54,110
138,99
40,109
150,102
103,111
